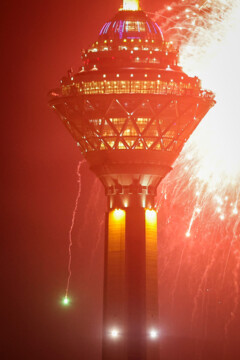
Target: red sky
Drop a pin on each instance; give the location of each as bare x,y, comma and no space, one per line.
42,40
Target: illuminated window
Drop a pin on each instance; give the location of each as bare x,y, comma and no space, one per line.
103,146
121,145
136,86
170,134
149,142
130,141
117,87
118,123
158,147
122,48
127,86
142,123
130,131
139,145
110,141
135,26
95,122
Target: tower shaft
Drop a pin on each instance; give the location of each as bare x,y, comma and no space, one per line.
130,285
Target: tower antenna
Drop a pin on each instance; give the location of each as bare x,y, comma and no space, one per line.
131,5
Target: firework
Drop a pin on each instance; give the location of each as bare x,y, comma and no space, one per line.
201,195
66,297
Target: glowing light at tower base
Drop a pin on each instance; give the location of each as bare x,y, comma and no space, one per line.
114,333
153,334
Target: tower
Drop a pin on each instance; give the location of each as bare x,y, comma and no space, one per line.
130,110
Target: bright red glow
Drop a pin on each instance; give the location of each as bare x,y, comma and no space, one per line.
201,197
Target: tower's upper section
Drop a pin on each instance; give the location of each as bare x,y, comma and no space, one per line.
130,107
130,93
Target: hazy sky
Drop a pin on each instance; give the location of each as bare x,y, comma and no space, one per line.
42,40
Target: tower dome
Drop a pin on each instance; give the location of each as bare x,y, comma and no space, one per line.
131,25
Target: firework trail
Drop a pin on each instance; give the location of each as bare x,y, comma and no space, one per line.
201,195
71,229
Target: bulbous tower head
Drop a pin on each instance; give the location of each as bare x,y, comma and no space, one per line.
130,108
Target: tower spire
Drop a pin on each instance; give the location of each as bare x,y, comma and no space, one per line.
131,5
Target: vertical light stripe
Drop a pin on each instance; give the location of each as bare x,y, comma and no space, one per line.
151,261
115,295
151,279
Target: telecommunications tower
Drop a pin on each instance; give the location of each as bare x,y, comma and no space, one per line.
130,110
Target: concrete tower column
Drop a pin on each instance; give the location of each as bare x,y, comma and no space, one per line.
130,285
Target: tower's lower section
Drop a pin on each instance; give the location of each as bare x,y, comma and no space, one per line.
130,327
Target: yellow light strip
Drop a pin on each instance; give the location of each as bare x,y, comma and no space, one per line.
151,266
115,275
